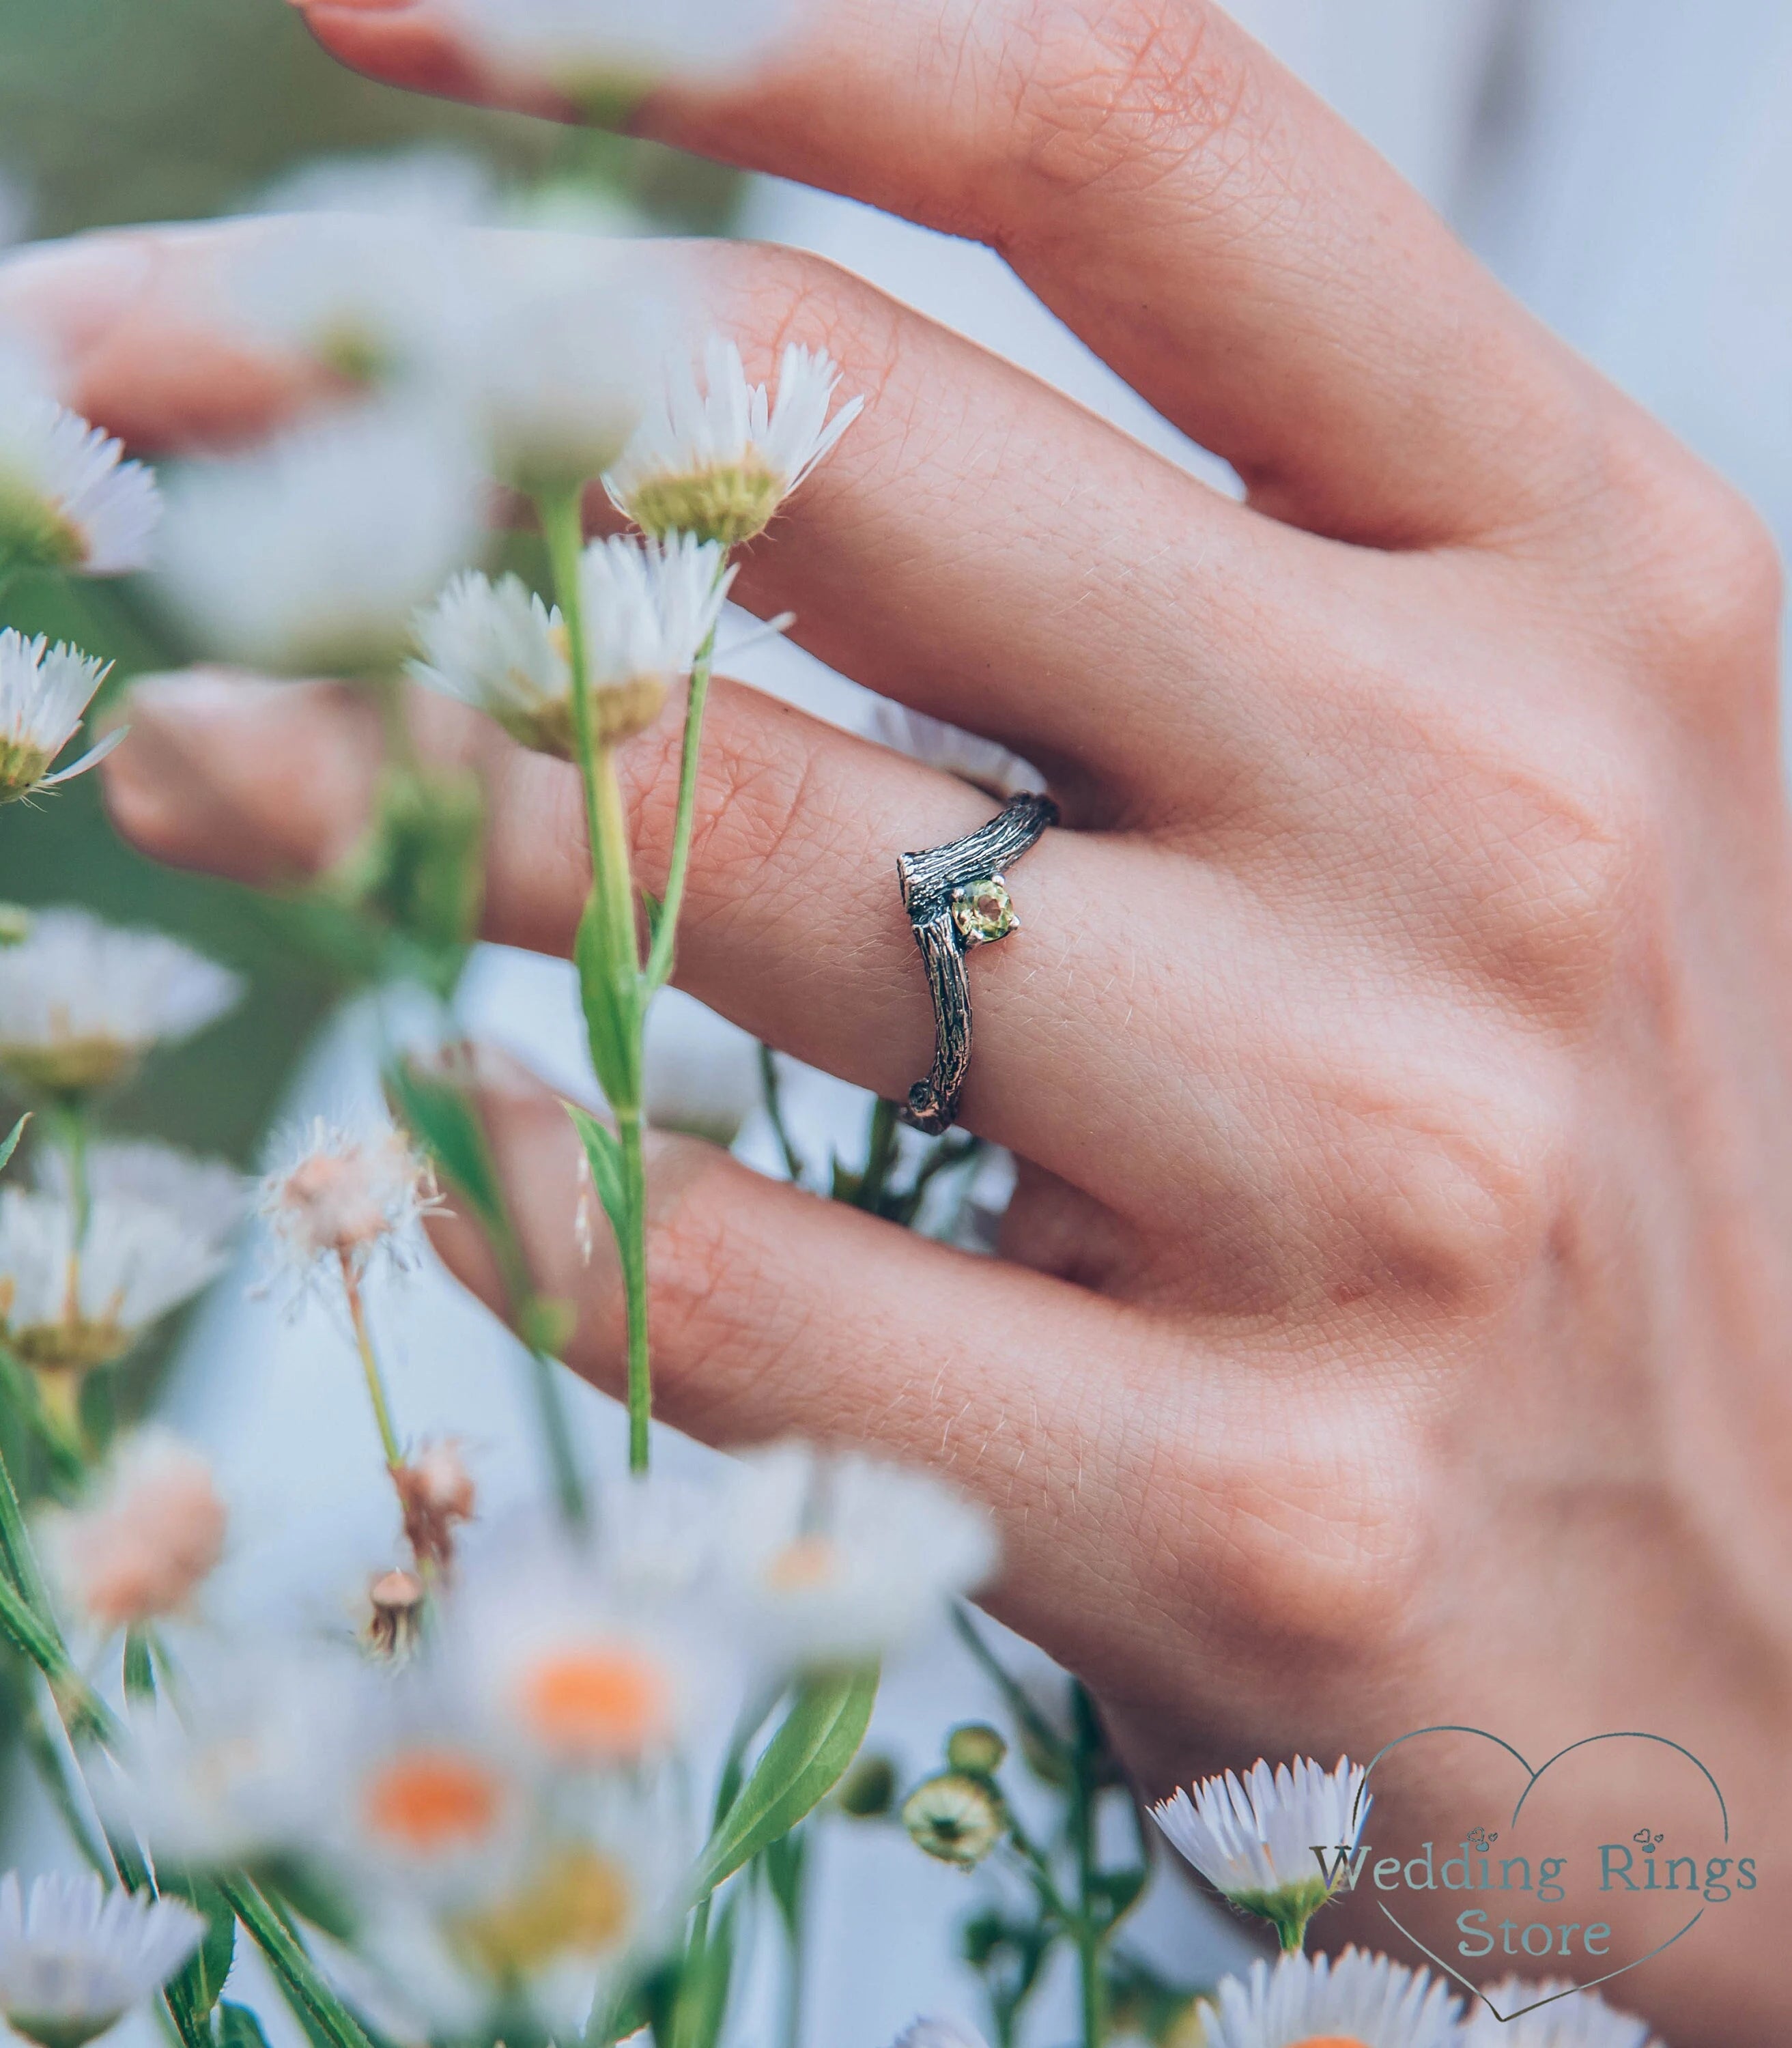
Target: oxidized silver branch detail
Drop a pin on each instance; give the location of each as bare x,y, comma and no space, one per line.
957,896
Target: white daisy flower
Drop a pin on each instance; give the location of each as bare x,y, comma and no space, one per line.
251,1764
829,1557
649,608
67,500
210,1195
984,763
75,1958
1253,1841
600,50
375,305
1354,2000
142,1550
45,692
568,1671
313,553
82,1001
71,1302
568,359
719,461
1573,2019
342,1197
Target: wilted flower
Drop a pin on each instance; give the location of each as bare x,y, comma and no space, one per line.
718,462
1357,1998
842,1556
395,1602
82,1001
75,1958
151,1539
313,553
341,1197
602,48
436,1495
1572,2020
45,692
648,608
67,500
1254,1841
956,1818
71,1302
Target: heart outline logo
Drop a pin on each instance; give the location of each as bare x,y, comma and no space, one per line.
1533,1777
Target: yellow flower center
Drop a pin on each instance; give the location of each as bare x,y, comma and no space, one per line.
729,504
799,1567
581,1905
605,1703
432,1801
68,1066
74,1345
22,767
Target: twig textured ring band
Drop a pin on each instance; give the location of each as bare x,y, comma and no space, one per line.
957,897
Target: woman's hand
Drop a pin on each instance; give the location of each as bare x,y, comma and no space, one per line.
1393,1321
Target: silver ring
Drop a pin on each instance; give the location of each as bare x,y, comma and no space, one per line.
957,898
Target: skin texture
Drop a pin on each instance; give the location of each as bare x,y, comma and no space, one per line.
1392,1324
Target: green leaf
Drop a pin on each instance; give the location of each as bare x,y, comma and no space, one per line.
703,1999
238,2027
605,1156
609,995
200,1984
802,1763
442,1115
139,1672
1115,1892
784,1862
13,1137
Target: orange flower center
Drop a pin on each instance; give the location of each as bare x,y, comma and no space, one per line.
431,1801
1330,2041
607,1704
810,1560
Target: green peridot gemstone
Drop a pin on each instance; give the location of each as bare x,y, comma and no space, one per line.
984,911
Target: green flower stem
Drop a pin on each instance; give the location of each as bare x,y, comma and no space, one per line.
1084,1929
556,1438
633,1249
370,1367
19,1560
665,929
772,1092
880,1158
299,1977
561,514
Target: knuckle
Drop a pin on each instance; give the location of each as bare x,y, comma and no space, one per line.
1123,90
1694,579
1455,1194
1310,1544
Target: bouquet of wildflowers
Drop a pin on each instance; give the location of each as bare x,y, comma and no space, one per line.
555,1774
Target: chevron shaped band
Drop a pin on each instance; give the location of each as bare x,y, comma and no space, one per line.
957,898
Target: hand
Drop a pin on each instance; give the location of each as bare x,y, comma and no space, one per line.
1392,1324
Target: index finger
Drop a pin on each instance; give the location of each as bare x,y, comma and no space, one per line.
1204,222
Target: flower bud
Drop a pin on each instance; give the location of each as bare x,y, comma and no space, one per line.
395,1614
976,1748
957,1819
868,1791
